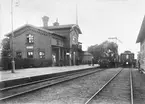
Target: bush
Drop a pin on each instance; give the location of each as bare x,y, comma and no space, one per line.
6,63
25,63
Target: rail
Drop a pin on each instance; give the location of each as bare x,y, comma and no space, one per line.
131,87
96,93
57,80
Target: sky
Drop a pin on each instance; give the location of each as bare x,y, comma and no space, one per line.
97,19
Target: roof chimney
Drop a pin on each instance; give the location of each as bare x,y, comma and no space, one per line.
56,23
45,21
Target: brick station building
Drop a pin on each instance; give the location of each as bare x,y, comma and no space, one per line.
50,45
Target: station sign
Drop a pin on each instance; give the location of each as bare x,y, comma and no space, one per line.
29,47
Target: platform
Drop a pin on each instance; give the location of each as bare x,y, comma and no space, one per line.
29,72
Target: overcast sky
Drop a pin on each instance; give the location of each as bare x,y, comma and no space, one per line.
98,19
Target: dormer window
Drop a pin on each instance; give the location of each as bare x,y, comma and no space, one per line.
30,38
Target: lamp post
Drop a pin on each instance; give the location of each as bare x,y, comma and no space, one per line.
12,47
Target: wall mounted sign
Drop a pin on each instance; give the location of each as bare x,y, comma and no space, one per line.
29,47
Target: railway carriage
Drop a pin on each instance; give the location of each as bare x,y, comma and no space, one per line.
127,59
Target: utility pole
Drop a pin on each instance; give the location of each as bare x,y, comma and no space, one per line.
12,36
76,14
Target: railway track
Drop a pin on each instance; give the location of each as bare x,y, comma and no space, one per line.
90,100
21,89
131,86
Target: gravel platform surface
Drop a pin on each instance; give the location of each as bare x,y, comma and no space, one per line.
116,92
138,87
76,91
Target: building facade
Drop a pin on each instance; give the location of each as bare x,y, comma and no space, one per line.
71,44
141,40
58,43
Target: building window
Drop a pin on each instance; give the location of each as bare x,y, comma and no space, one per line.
127,56
30,54
30,38
74,39
19,54
41,54
57,42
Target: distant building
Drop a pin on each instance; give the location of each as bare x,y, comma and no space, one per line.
57,43
141,40
87,57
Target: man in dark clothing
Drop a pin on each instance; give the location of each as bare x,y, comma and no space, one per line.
92,61
138,64
140,70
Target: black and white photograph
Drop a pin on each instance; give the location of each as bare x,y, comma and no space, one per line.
72,51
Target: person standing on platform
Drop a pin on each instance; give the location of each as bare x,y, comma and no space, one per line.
92,61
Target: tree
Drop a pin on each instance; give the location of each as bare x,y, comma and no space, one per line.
104,50
6,52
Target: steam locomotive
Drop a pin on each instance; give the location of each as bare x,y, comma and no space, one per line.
125,59
108,62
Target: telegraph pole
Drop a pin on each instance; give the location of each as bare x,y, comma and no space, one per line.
76,14
12,36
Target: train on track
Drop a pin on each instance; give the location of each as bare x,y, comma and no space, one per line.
104,63
108,62
125,59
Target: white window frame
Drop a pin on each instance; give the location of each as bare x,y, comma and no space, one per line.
30,38
30,53
41,54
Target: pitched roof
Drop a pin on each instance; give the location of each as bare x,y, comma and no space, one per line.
63,27
141,35
28,25
87,53
38,28
60,26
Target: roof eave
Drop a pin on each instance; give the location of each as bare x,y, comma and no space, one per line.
141,32
138,40
58,35
78,29
140,37
9,34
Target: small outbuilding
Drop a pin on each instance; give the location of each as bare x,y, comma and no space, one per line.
87,58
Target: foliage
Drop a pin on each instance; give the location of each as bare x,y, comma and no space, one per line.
104,50
26,63
6,52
